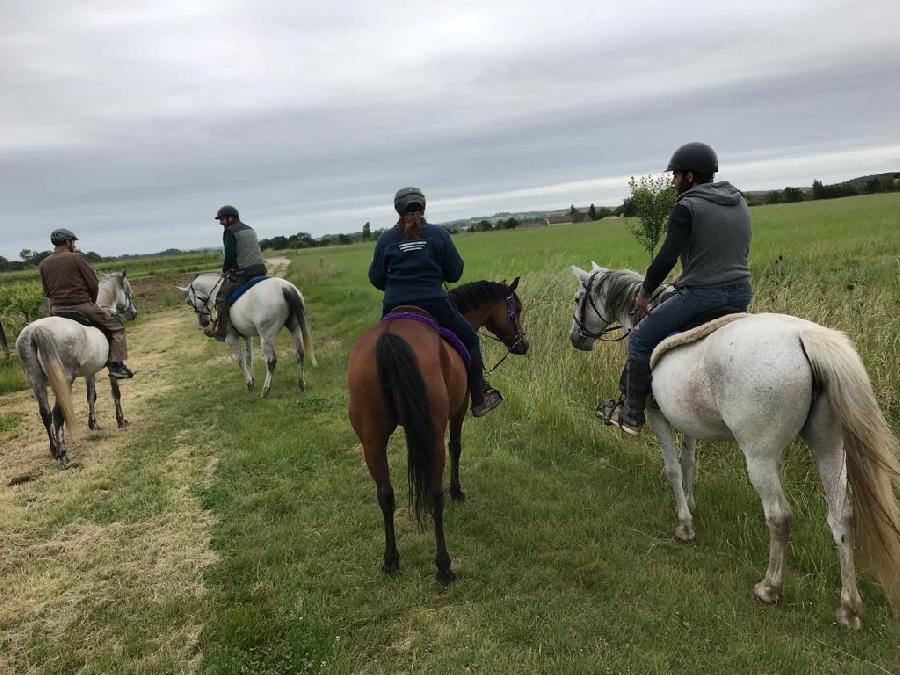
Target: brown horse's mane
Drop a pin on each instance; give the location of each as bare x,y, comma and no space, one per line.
478,293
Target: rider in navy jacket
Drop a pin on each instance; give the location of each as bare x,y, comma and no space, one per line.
411,262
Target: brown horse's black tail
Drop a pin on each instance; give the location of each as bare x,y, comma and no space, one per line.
404,389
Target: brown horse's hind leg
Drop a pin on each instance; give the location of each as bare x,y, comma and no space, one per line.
376,461
445,575
456,493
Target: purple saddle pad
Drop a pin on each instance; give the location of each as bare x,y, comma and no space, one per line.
445,333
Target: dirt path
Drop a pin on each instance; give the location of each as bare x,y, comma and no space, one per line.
53,575
278,266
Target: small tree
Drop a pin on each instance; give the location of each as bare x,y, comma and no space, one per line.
592,211
793,194
653,199
367,232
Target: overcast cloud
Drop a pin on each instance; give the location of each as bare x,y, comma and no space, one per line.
131,123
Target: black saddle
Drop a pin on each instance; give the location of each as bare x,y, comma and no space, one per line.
78,317
706,317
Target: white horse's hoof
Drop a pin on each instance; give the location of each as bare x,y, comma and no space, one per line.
766,593
848,618
685,532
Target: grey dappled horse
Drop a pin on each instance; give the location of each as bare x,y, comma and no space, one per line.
763,380
55,351
262,310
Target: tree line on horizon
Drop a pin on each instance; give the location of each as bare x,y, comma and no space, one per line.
866,185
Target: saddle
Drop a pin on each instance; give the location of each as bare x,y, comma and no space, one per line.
413,313
78,317
696,329
235,295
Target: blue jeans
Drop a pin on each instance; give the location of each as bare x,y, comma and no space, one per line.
449,317
678,310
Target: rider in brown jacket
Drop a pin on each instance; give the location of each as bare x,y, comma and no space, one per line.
71,285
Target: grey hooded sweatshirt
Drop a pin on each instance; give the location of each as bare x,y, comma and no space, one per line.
709,229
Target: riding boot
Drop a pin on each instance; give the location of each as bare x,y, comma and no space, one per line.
223,321
484,397
119,370
637,380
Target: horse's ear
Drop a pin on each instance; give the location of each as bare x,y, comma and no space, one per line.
595,267
580,273
183,289
124,273
514,284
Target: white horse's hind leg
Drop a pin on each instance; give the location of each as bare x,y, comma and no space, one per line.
823,435
763,471
268,347
688,445
91,385
685,528
300,349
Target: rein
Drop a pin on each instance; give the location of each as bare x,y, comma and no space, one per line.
518,337
611,326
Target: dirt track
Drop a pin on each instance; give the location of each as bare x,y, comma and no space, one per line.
51,575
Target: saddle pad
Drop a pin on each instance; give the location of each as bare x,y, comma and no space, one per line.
692,335
417,314
243,288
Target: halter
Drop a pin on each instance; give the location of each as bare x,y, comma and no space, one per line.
520,334
583,330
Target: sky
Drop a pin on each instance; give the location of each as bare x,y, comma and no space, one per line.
131,123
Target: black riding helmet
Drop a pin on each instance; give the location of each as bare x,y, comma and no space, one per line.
409,200
696,157
227,210
61,236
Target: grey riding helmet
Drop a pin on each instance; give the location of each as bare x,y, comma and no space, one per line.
408,200
695,157
61,236
225,211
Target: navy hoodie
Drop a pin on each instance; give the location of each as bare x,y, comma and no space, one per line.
414,269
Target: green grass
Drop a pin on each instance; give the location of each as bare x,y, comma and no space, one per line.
11,376
564,548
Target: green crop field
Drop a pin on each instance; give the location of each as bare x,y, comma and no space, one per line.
225,533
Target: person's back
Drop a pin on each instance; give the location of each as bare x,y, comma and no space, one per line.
408,270
71,285
410,264
719,246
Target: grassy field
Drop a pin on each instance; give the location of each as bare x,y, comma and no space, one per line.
564,548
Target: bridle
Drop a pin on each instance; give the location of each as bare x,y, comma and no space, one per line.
583,330
192,296
519,335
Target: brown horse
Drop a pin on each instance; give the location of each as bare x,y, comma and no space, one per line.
402,373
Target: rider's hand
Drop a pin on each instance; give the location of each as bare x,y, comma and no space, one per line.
643,303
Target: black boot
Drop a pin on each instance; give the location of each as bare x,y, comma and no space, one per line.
484,397
637,381
119,370
222,323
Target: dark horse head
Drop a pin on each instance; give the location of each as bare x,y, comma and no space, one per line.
495,306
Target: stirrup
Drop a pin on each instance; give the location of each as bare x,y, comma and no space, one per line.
606,409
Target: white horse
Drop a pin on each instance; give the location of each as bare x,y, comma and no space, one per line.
56,350
262,310
763,380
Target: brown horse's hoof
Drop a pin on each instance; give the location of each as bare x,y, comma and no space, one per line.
457,495
391,567
446,578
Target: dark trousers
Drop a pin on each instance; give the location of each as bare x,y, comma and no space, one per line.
449,317
671,315
107,322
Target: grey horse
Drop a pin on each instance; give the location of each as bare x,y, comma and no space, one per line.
763,380
262,310
55,351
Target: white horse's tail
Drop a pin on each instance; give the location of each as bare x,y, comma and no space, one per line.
38,349
298,313
871,450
